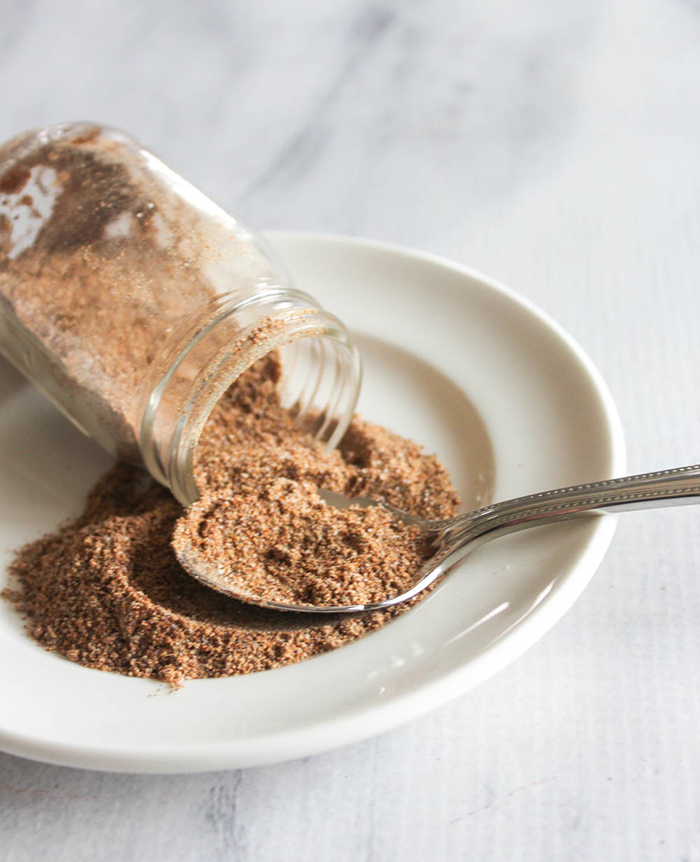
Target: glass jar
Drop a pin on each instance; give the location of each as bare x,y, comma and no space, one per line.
134,302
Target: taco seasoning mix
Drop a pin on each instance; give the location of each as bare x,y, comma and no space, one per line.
165,329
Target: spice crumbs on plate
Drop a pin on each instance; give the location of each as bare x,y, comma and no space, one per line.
106,590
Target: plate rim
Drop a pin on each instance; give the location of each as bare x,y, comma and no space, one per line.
352,727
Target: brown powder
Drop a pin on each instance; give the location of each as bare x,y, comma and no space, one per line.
105,272
284,544
107,591
262,530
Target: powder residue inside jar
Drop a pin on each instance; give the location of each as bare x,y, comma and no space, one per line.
106,267
107,591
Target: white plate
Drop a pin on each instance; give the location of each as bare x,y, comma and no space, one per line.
454,360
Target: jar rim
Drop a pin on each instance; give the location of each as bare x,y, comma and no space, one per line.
171,426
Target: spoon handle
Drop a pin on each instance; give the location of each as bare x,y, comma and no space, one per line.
677,487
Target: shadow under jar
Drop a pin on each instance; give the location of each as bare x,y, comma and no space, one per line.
134,302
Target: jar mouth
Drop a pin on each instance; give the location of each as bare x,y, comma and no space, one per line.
321,375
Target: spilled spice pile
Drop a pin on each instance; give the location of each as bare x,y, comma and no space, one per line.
107,591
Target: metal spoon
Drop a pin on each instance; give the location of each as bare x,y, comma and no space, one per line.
452,539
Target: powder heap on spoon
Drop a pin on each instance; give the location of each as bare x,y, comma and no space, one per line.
262,530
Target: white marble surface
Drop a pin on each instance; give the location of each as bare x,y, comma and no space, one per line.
553,144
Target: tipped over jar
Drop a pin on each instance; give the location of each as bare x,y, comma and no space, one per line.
134,302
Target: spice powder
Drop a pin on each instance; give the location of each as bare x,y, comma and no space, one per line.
107,591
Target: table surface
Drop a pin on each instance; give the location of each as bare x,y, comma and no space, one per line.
553,145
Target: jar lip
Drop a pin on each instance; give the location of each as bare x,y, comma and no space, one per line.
287,315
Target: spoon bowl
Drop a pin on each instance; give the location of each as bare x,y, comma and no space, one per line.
449,540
